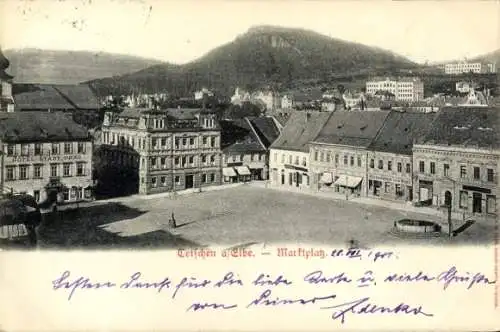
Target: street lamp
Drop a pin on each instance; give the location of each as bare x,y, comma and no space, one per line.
448,206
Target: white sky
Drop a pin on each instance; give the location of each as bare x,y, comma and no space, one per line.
180,31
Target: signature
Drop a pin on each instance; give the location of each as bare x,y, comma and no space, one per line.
363,306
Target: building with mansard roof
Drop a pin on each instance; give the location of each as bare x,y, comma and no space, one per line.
165,150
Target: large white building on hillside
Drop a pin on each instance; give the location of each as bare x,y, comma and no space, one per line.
404,89
467,67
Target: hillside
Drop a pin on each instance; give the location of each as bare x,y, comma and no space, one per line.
493,57
69,67
261,56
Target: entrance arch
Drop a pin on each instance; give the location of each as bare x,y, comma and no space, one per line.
447,198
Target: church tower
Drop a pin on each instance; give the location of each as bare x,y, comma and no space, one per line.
6,99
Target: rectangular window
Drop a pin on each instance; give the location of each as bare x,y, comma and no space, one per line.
80,169
359,162
400,167
421,167
81,147
53,170
177,179
212,177
203,178
315,155
477,173
352,160
345,159
68,148
153,162
24,149
464,198
205,140
322,156
163,141
36,195
380,164
463,171
387,187
37,171
328,157
163,162
408,168
446,170
490,175
191,160
191,141
296,160
66,169
372,163
38,149
10,173
176,161
184,141
177,143
433,167
212,141
23,172
289,159
304,161
163,180
10,150
66,194
491,204
212,160
55,148
389,165
153,181
283,158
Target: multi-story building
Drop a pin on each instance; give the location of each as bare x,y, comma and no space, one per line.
390,162
245,144
6,100
289,154
46,155
457,161
467,67
170,150
287,101
404,89
338,154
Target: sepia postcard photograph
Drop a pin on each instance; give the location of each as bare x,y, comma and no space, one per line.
249,165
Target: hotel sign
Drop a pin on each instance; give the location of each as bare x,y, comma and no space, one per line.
44,158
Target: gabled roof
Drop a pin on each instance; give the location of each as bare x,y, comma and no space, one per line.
266,129
300,128
474,127
353,128
39,126
237,136
79,95
40,96
400,130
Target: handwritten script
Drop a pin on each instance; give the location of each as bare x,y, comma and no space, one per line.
324,290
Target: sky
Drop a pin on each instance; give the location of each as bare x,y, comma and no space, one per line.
181,31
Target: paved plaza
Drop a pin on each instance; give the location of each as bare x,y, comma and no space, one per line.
236,216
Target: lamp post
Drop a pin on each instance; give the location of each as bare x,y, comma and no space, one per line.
448,207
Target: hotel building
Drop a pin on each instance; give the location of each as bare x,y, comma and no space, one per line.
170,150
467,67
46,155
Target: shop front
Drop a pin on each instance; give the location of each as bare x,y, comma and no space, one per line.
348,184
229,175
244,174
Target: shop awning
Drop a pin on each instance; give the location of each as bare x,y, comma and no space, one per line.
256,165
228,171
348,181
243,170
326,178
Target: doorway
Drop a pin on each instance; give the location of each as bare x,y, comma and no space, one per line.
189,181
476,202
447,198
